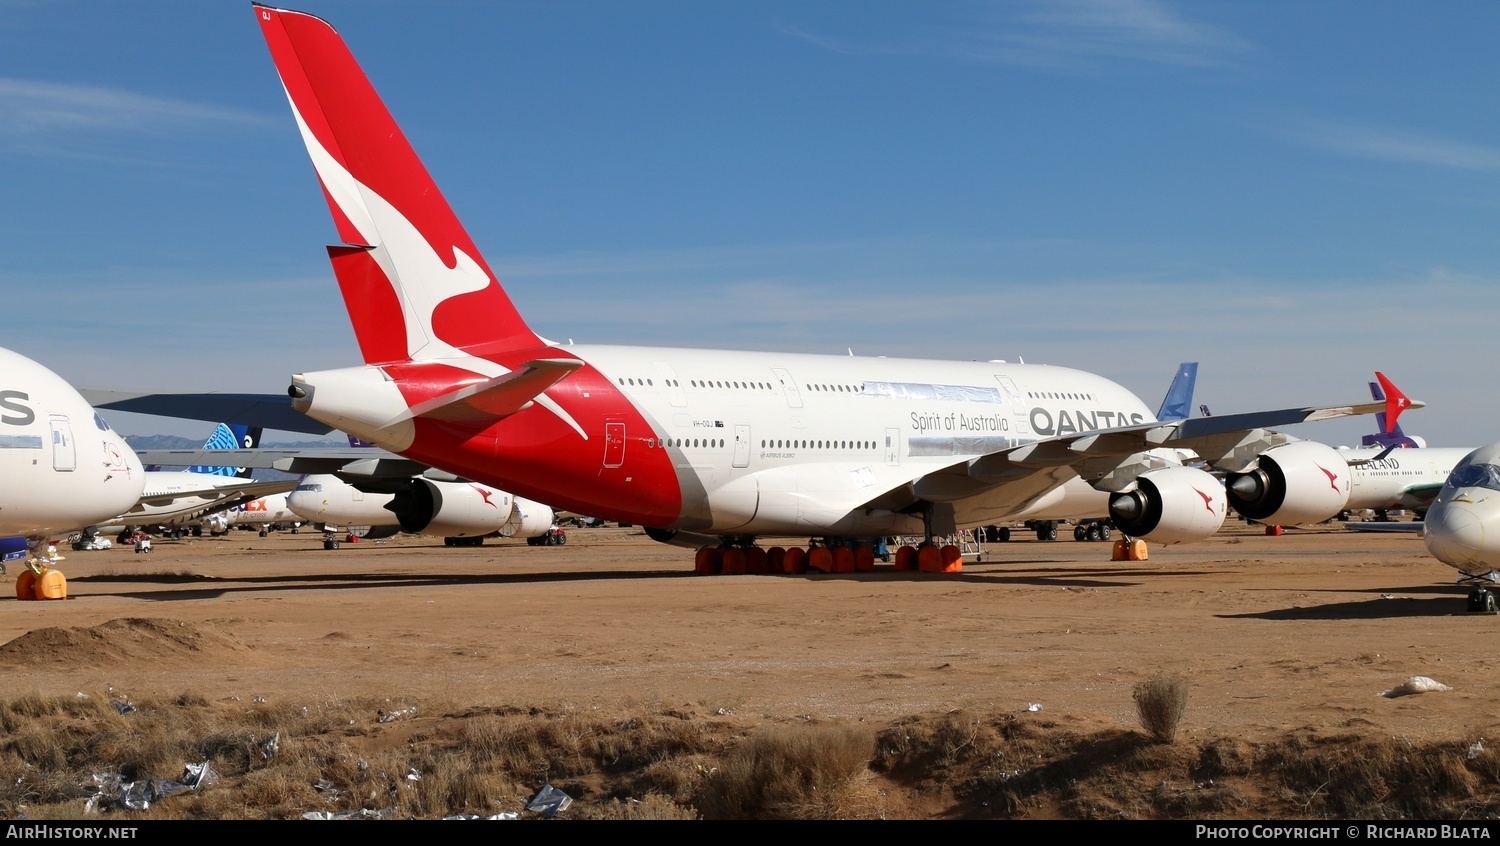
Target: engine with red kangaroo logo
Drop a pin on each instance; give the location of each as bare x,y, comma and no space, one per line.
1171,505
462,509
1296,483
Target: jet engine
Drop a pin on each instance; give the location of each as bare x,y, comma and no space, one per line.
1295,483
1170,505
454,509
528,519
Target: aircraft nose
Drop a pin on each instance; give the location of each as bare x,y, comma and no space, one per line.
1456,532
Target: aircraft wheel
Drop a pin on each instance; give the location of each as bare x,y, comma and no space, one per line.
1482,601
1092,532
1103,532
562,540
331,543
1005,534
1080,533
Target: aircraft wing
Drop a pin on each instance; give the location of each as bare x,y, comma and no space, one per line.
1109,459
1420,497
199,503
253,489
344,461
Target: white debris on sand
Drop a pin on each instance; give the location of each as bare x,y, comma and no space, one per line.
1415,684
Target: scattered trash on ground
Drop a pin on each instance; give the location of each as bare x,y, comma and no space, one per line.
392,716
1415,684
549,801
361,814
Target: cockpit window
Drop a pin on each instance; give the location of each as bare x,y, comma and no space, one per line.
99,421
313,487
1475,476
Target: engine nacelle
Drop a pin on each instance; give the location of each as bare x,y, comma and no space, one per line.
528,519
686,540
1295,483
451,509
1170,505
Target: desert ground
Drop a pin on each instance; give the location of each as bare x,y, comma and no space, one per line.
1274,634
1305,629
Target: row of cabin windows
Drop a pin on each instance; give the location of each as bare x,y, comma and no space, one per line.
690,443
779,444
753,386
696,383
1059,395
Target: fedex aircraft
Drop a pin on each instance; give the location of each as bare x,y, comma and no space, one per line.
719,447
1462,528
61,466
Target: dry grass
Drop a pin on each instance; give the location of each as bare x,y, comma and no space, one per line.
656,762
808,771
1160,702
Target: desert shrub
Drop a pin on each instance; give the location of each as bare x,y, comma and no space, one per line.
1160,702
809,771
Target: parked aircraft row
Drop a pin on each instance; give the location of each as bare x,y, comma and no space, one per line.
710,447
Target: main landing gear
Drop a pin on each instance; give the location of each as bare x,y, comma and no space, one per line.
1482,599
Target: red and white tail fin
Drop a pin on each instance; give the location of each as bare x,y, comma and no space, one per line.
1395,401
415,285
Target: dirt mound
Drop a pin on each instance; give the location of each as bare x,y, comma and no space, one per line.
107,644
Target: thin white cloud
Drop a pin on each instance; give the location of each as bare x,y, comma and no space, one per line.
32,109
1141,30
1385,144
1060,34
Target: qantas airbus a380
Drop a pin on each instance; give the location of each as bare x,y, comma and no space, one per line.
721,447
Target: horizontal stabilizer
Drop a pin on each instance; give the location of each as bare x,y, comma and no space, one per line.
363,461
267,411
495,398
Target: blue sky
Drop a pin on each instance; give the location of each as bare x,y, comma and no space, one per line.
1292,194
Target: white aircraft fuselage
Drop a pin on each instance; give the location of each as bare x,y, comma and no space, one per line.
1462,527
1388,482
62,468
764,443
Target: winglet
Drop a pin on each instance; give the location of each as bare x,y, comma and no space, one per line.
1178,403
1395,401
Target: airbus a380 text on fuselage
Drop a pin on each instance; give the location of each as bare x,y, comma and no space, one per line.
728,444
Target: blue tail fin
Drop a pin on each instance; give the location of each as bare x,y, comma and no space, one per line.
230,436
1178,403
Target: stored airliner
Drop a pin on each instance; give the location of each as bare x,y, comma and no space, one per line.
717,446
61,466
1462,528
